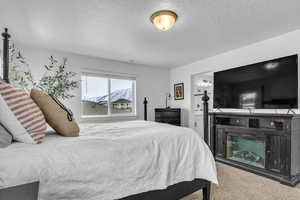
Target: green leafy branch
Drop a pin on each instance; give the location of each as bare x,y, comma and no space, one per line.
19,71
56,80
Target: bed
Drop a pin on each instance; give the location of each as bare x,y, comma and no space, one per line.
126,160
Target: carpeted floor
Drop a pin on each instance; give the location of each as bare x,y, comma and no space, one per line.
236,184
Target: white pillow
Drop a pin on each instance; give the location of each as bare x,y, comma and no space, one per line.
13,125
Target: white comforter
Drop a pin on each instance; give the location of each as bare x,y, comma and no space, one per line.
108,161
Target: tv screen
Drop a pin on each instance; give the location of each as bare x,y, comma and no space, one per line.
267,85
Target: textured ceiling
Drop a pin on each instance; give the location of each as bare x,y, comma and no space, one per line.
121,30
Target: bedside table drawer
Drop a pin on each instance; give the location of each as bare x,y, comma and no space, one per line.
168,115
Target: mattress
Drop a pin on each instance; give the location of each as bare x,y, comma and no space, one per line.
109,161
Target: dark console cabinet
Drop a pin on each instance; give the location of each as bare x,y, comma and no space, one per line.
265,144
168,115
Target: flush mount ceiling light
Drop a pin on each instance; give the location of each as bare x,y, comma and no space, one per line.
272,65
163,19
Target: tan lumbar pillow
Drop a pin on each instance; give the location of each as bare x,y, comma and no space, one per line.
56,115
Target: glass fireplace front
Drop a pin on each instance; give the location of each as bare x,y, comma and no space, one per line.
246,149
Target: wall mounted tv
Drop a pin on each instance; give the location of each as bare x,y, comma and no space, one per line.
267,85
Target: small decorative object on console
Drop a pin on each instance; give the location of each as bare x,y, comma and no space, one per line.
168,97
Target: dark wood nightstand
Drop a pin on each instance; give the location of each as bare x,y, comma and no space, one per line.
168,115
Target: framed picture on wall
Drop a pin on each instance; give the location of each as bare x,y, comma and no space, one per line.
179,91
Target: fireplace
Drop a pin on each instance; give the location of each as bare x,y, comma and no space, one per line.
246,149
264,144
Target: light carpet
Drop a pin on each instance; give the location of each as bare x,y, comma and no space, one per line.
236,184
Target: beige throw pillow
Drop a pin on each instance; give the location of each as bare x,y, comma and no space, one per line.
55,115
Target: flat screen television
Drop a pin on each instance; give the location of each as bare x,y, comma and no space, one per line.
267,85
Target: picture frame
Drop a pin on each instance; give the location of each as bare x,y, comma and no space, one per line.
179,91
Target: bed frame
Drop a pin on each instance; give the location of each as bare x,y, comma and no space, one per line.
174,192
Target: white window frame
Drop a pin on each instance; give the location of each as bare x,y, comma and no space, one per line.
110,76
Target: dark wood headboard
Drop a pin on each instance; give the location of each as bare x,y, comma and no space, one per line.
5,62
205,100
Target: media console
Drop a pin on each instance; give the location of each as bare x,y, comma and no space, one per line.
265,144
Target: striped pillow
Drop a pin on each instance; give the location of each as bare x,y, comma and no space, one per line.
25,110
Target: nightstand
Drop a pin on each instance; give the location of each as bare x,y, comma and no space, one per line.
168,115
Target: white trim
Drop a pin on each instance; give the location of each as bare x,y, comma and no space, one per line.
97,73
103,118
108,116
134,96
109,99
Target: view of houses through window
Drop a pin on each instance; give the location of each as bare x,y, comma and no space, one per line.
105,95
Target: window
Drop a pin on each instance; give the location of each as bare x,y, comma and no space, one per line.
107,95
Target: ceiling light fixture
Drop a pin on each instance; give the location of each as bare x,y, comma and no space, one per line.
163,19
272,65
